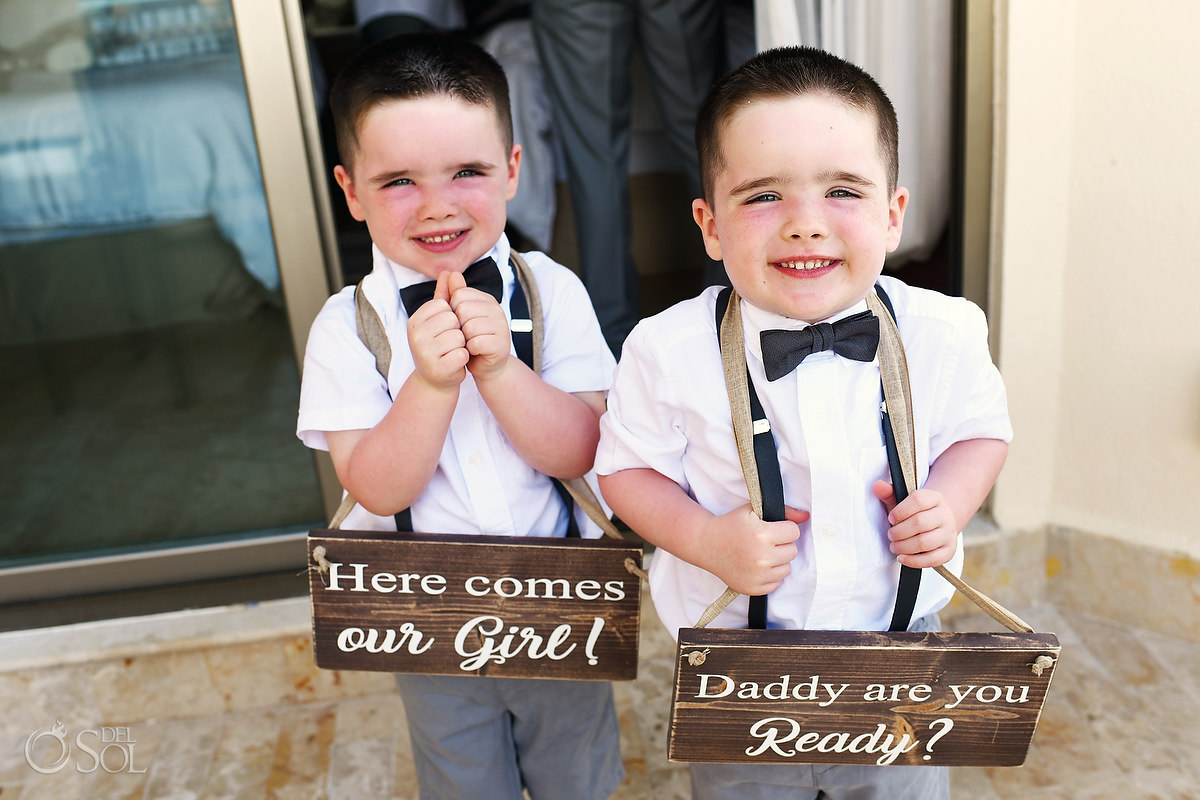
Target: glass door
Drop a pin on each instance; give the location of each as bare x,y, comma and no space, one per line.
153,311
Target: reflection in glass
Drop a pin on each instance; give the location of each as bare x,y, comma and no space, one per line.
150,385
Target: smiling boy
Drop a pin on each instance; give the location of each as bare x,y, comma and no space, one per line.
461,436
798,153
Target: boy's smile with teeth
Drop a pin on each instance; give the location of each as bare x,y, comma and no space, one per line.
806,264
444,237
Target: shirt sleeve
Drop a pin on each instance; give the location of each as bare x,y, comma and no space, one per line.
575,357
341,389
643,427
969,399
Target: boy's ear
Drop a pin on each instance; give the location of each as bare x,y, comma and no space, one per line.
896,217
347,183
514,172
708,227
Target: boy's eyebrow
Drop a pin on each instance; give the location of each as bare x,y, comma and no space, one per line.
478,166
844,176
392,175
829,176
388,177
754,184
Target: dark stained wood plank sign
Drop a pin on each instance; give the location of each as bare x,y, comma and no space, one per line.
852,697
501,607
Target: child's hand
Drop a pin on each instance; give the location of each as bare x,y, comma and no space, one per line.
923,532
484,327
436,339
751,556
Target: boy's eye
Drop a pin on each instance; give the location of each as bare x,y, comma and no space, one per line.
765,197
843,193
398,182
466,173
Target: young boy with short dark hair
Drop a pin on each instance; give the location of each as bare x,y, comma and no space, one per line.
460,436
798,153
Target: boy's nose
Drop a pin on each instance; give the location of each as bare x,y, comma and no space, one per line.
436,205
804,222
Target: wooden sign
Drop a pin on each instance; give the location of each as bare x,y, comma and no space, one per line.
850,697
495,606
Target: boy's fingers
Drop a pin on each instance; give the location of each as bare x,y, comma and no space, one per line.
886,493
795,515
779,534
442,290
457,281
928,558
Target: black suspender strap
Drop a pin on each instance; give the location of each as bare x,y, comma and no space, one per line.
521,327
569,502
770,477
910,577
771,484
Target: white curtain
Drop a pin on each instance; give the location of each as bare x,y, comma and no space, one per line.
906,46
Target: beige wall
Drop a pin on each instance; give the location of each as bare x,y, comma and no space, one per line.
1096,267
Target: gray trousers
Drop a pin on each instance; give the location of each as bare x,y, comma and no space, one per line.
586,48
810,782
490,738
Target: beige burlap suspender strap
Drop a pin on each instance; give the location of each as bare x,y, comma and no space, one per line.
371,332
898,399
579,489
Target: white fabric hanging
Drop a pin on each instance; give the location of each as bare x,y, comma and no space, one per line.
907,46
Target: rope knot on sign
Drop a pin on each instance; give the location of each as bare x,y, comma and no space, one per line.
318,555
632,568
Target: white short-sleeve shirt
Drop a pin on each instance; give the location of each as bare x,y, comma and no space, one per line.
481,484
669,411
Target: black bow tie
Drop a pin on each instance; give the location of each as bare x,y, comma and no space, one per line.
855,337
483,275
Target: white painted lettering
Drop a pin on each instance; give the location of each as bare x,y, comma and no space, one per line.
547,588
507,580
776,731
352,639
703,692
1024,698
433,584
614,591
833,696
748,691
335,575
994,693
383,582
960,696
588,590
920,693
807,691
769,731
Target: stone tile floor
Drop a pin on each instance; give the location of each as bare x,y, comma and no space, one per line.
245,714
